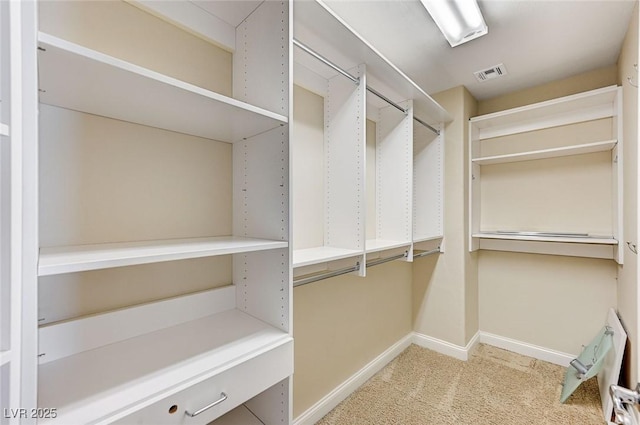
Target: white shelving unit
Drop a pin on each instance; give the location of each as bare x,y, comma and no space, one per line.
129,380
394,177
151,358
8,395
575,140
373,189
18,254
428,184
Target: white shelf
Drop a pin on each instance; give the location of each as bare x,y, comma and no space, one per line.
376,245
117,377
419,239
548,153
4,129
318,27
81,79
5,357
322,254
78,258
547,238
238,416
595,104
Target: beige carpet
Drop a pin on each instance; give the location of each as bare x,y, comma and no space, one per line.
494,387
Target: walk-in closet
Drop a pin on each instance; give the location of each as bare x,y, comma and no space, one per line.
243,212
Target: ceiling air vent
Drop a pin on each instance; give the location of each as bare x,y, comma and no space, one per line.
491,73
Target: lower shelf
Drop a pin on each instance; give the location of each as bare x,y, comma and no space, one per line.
114,381
587,247
548,237
238,416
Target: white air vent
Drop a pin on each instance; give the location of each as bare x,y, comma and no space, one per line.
491,73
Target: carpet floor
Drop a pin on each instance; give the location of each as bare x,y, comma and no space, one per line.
421,387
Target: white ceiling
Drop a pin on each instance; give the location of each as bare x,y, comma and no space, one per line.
537,40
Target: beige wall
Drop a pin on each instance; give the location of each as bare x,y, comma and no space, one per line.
139,38
555,302
445,287
601,77
343,323
551,301
628,274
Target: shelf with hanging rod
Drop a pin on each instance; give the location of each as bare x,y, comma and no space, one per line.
384,260
304,280
549,207
315,277
372,116
356,80
420,254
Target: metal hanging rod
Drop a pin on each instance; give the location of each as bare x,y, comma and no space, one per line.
327,275
401,109
326,61
386,260
425,253
386,99
435,130
357,81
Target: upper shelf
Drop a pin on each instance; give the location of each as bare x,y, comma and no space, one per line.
81,79
377,245
322,254
591,105
78,258
319,28
547,153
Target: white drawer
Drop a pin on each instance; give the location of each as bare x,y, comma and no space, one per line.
239,384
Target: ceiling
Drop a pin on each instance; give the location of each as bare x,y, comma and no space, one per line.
538,41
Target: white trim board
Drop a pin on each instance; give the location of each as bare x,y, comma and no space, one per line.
526,349
327,403
444,347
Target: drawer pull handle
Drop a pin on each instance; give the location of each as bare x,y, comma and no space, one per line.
222,398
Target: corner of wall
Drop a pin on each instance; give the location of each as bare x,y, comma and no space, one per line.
445,289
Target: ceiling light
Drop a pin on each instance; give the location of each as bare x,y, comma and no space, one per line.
459,20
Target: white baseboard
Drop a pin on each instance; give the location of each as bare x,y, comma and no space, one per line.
526,349
444,347
342,391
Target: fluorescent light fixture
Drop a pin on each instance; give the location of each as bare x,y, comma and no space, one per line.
459,20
